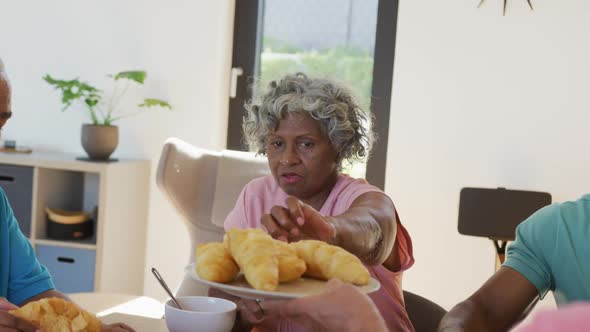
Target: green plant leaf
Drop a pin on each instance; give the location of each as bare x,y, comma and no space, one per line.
87,95
73,90
91,101
133,75
151,102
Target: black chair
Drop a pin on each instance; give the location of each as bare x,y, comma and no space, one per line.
495,213
424,314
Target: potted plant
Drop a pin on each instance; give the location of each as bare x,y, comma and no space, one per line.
100,138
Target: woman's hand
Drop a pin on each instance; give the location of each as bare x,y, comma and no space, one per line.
240,324
296,222
117,327
11,323
341,308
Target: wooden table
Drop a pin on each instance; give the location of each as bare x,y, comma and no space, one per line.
139,323
142,313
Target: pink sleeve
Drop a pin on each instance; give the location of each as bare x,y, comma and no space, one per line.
237,216
403,243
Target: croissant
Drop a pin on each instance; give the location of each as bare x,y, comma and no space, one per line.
255,252
214,263
291,267
58,315
325,261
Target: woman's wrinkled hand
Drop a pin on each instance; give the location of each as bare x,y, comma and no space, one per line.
342,307
240,325
11,323
297,221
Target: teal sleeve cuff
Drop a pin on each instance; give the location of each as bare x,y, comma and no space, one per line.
39,286
530,254
534,277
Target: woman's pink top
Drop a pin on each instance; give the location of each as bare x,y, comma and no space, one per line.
261,194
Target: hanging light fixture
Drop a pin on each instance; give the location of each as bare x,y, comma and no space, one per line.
506,4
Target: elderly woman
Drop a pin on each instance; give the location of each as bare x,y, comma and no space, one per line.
307,128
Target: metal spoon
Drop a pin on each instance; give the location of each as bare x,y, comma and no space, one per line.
163,283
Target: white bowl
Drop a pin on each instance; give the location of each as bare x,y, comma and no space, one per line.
201,313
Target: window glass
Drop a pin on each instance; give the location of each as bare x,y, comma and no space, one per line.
334,39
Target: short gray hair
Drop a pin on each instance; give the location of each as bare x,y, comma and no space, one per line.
332,105
1,65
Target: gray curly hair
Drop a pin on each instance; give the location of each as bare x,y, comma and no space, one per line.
339,115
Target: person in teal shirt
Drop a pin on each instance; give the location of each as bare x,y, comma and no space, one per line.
22,278
551,253
21,275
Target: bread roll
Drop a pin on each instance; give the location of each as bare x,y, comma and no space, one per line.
325,261
291,267
256,254
214,263
58,315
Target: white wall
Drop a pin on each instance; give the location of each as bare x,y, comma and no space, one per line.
478,100
185,45
483,100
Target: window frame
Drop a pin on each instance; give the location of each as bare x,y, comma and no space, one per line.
246,47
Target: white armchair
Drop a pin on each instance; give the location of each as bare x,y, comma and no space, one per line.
203,186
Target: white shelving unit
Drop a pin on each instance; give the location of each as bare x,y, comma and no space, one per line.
113,259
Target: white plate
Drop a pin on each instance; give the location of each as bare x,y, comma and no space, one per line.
298,288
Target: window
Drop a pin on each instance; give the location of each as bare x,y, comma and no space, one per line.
350,41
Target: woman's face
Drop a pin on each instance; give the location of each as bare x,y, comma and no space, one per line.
5,106
302,159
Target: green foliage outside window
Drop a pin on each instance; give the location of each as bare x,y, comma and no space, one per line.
350,66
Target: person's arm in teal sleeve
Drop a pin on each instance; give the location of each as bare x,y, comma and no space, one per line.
28,280
532,252
500,302
27,277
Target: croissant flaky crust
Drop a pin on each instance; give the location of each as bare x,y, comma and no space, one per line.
291,267
255,252
266,262
325,261
58,315
214,263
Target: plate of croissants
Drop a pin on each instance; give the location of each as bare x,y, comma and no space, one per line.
249,263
